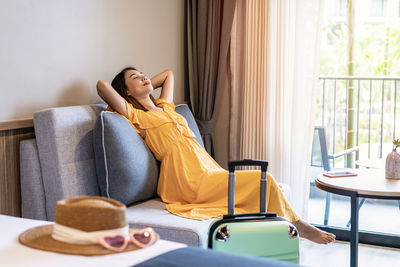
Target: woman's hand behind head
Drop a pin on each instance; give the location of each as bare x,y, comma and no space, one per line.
111,97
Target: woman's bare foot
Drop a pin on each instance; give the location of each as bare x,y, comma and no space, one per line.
312,233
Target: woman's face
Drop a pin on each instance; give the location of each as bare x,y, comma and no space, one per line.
138,85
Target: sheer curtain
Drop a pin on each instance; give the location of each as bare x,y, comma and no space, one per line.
274,89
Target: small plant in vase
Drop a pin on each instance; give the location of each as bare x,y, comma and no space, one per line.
392,167
396,143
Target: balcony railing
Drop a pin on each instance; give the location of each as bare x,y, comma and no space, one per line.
376,112
376,122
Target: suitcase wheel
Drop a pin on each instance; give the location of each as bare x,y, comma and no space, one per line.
293,231
223,234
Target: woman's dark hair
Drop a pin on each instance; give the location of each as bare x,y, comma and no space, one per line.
118,83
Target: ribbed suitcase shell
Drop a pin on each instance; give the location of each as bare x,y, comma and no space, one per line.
265,238
257,234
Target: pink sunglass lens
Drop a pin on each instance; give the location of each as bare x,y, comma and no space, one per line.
116,242
144,238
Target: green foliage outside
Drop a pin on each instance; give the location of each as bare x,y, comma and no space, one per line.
377,53
370,53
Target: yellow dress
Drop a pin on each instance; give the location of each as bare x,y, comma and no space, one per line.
191,183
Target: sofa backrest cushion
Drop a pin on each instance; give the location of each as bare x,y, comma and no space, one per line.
126,169
65,146
184,110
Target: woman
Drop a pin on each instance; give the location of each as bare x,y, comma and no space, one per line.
191,183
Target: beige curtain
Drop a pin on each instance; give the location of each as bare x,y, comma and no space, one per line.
209,24
272,92
237,79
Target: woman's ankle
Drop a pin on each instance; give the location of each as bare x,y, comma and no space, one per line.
312,233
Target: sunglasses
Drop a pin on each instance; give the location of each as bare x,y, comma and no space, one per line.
118,242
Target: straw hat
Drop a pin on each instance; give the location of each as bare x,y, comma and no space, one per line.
80,217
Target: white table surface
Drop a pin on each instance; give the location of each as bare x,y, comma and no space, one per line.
12,253
368,182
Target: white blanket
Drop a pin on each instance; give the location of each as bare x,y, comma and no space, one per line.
12,253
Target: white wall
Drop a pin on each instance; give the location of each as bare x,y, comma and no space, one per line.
52,52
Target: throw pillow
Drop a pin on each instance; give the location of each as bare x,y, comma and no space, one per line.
126,169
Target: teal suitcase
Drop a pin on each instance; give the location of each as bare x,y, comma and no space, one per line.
257,234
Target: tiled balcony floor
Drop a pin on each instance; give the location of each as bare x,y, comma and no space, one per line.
375,215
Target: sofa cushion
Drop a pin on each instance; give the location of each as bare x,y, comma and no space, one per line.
152,213
126,169
184,110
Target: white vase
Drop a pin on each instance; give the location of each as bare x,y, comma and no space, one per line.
392,168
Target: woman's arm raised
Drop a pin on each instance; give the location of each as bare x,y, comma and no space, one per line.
164,79
111,97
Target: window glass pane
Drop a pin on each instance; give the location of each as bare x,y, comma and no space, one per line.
376,116
377,8
340,8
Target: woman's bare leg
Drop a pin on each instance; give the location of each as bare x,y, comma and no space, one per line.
278,203
312,233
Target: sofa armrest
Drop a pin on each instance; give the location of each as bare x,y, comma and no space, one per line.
64,137
33,202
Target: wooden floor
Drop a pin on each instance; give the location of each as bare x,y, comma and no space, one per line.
338,255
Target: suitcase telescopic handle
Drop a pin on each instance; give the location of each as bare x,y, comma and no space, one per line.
248,162
231,184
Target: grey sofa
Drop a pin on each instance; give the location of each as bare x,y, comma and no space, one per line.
60,163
